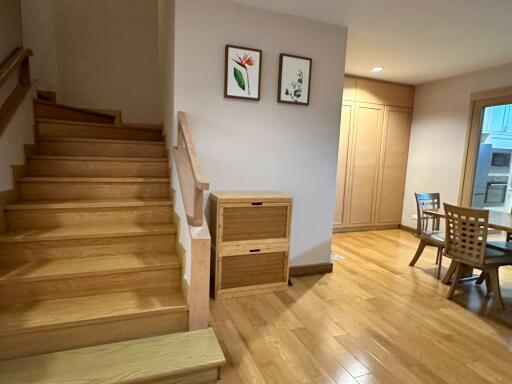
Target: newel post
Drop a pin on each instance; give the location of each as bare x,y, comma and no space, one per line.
199,277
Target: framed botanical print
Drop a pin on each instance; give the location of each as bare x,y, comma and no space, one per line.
243,73
294,79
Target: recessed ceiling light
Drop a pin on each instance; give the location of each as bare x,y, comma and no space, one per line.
377,69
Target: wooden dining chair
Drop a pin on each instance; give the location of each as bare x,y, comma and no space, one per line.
466,245
427,229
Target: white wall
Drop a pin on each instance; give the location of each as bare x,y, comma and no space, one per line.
10,39
19,131
258,146
440,123
97,53
166,64
10,27
39,35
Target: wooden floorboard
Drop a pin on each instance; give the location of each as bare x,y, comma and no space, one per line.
373,320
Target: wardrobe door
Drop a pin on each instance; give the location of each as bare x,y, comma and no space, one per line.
347,119
364,155
395,149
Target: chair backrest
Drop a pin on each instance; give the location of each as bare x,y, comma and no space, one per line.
426,201
466,234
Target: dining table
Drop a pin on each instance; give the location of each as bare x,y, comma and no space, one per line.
501,221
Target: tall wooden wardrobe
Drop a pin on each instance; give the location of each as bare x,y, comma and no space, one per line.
372,156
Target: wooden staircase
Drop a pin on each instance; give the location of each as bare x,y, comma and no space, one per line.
89,254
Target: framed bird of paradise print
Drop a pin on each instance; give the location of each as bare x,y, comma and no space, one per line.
243,73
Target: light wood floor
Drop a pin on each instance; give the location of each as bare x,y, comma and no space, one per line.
373,320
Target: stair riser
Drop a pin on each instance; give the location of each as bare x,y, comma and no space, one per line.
91,132
44,110
98,190
64,338
66,168
75,148
14,253
74,285
47,218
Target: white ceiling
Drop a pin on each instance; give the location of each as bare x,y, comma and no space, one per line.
416,41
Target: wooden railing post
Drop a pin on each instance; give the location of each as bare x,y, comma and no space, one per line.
192,189
199,291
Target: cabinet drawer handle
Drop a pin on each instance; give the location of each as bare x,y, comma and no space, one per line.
257,203
254,250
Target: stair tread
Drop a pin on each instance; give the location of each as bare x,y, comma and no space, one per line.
99,158
43,269
85,232
148,127
89,140
134,361
56,179
99,203
73,311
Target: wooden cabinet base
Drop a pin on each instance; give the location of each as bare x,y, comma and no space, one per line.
340,228
251,290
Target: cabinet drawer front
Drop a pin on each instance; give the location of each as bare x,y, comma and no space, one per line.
248,222
253,269
253,249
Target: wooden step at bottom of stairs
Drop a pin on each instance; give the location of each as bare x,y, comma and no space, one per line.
41,279
40,268
95,166
63,128
77,188
86,232
15,252
44,326
185,358
45,214
99,147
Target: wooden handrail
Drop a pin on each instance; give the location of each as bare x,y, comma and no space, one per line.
185,141
189,174
13,62
17,61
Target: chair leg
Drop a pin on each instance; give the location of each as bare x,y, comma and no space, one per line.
440,263
495,283
449,272
437,257
455,280
488,285
480,279
418,253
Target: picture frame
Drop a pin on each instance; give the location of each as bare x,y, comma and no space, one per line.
294,79
242,77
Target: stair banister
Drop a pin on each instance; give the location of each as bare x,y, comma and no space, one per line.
17,61
192,188
191,181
